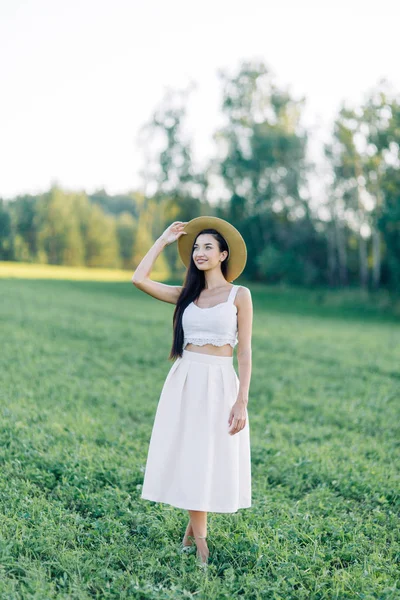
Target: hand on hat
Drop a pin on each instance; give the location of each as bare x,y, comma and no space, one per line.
173,232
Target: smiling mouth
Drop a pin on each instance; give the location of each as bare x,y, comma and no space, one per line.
201,261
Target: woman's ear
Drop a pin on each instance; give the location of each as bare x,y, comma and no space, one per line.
226,254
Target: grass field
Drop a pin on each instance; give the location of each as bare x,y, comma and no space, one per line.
21,270
83,364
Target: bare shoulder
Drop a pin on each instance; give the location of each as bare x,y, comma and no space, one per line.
243,300
244,319
243,296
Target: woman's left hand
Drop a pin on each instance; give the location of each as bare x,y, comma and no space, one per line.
237,418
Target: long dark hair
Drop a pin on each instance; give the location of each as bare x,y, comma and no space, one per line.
192,286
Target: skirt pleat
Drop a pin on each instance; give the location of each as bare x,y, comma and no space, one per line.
192,461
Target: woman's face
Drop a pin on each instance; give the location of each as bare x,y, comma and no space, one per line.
206,253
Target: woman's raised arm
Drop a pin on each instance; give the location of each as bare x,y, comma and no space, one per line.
141,279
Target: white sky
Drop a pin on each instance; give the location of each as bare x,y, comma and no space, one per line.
79,77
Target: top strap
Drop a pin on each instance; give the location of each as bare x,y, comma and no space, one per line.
232,294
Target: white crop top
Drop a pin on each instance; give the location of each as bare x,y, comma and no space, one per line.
216,325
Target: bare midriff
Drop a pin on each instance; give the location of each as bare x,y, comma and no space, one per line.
225,350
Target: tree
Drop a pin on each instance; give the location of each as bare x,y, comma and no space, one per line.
380,121
364,151
167,151
101,244
6,238
349,182
144,239
59,235
261,158
262,145
126,233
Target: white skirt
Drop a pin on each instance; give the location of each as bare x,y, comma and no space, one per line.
193,462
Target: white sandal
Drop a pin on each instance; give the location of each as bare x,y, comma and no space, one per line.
186,548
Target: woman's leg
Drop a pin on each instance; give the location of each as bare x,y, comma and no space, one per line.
198,521
189,532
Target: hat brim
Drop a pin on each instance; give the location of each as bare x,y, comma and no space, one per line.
237,247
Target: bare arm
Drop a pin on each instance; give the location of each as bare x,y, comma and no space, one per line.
238,414
141,279
244,352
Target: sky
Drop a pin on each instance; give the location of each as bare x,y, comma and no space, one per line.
80,78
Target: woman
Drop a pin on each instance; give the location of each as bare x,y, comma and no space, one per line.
199,452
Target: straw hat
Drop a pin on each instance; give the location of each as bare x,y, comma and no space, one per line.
237,247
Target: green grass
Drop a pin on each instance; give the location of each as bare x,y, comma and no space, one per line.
24,270
82,366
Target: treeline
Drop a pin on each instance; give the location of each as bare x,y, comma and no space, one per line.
74,229
259,179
